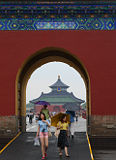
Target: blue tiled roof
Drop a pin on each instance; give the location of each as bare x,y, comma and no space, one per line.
59,83
58,97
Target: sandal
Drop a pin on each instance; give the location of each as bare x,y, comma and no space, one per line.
45,154
67,155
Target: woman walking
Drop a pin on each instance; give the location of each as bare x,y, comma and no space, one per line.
42,132
45,111
63,136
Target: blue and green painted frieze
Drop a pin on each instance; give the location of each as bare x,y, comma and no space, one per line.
30,15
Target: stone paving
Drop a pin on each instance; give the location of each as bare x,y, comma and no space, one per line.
77,146
23,148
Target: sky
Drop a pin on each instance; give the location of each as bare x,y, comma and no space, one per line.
47,74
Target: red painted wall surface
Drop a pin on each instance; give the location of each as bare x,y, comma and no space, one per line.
96,49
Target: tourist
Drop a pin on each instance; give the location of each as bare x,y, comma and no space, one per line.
76,115
71,125
63,136
30,115
45,111
42,132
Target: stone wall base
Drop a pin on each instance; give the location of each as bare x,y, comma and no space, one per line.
102,126
8,126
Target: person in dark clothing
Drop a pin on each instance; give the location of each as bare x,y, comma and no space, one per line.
76,115
31,117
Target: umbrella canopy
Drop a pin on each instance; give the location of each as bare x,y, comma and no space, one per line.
55,119
42,103
72,106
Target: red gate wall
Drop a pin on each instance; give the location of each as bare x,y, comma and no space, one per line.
96,49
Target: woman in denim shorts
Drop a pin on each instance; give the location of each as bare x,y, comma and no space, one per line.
42,132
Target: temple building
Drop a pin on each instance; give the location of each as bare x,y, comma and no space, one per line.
58,96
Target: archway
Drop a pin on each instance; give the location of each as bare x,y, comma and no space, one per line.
35,61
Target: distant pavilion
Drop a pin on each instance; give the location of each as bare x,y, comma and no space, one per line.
57,97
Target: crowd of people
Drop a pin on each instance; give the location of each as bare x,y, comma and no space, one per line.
65,130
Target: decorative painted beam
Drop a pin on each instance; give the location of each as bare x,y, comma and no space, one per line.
19,9
34,15
59,24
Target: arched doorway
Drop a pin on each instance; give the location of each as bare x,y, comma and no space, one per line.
35,61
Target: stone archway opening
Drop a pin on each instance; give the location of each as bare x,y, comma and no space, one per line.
37,60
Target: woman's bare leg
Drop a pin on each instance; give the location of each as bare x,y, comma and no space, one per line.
60,151
42,146
46,143
66,151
